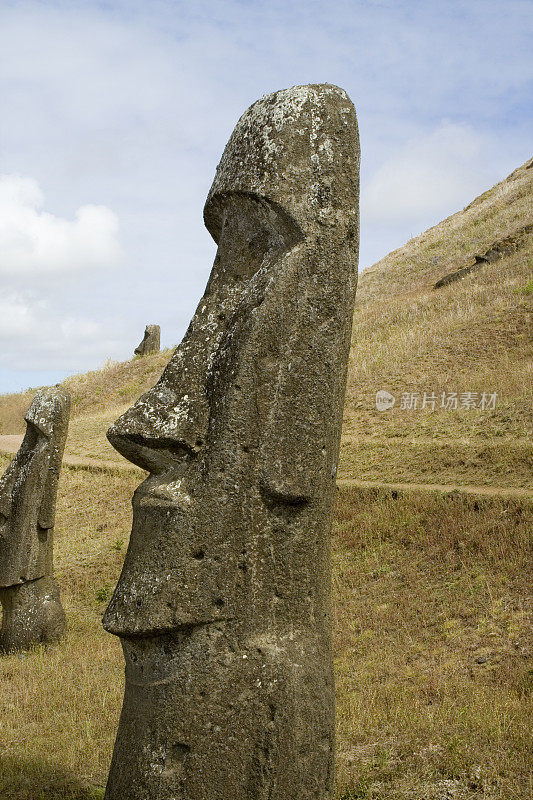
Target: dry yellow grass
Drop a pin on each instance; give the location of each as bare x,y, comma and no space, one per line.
60,706
507,463
424,587
87,435
60,709
432,592
12,410
474,335
433,646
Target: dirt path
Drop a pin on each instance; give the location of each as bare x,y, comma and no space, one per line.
10,443
354,437
491,491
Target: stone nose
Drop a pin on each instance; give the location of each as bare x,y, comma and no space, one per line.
162,429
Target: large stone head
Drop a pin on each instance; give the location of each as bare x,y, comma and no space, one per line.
247,412
28,490
223,601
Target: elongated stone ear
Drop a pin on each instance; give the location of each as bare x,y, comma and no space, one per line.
293,452
301,437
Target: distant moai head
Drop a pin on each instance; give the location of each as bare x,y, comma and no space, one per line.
226,582
28,490
151,342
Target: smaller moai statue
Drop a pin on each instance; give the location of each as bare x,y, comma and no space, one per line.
32,611
151,342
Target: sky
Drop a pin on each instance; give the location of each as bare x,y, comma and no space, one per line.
114,115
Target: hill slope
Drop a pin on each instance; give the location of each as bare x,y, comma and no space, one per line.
471,335
431,591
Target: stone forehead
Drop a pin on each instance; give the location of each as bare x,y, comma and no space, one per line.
49,406
287,148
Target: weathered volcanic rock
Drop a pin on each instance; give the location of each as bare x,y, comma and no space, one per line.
151,342
223,605
32,611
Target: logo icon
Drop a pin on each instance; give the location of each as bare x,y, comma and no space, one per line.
384,400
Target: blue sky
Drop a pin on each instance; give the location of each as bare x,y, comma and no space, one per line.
114,116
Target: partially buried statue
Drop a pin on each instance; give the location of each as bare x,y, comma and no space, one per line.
223,605
151,341
32,611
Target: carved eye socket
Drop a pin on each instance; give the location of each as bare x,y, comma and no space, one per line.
33,434
252,230
260,244
245,243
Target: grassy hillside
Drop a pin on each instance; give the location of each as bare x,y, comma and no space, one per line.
98,398
495,215
432,656
117,384
432,590
473,335
433,646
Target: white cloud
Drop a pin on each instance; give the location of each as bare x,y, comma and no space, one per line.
428,177
36,242
128,105
16,317
33,327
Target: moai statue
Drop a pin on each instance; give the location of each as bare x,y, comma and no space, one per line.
32,611
151,342
224,604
